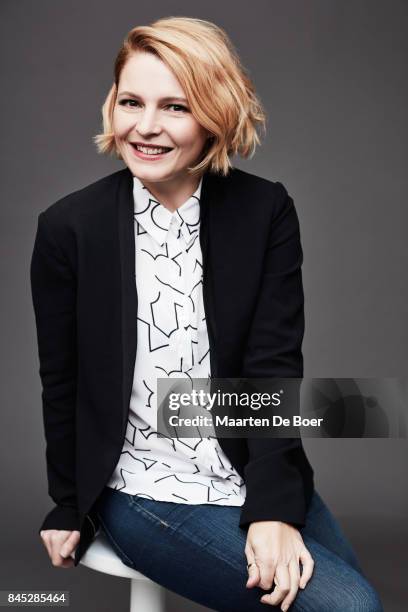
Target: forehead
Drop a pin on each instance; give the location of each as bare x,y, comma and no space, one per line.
145,73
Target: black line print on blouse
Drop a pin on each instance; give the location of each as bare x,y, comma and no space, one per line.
151,210
182,372
122,485
156,203
188,240
192,355
199,263
176,262
176,320
155,461
143,215
210,489
148,405
192,443
148,325
192,327
200,282
139,230
219,458
134,429
192,302
187,210
152,216
179,371
168,285
145,433
142,212
190,446
189,237
190,246
145,461
187,224
165,255
130,429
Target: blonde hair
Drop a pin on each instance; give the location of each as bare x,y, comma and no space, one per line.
219,91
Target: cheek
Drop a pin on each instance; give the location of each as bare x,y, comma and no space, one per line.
191,137
119,124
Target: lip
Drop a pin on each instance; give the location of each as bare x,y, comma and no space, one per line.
147,157
150,144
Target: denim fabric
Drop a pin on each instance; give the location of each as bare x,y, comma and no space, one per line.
197,551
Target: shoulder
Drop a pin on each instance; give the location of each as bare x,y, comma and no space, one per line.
268,195
60,224
83,200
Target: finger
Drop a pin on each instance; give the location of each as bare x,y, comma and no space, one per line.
70,544
307,567
58,540
282,581
294,572
254,576
66,563
267,573
45,540
253,571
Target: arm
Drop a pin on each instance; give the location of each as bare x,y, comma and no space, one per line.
278,473
53,287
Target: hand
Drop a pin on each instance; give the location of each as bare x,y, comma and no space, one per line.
275,549
60,544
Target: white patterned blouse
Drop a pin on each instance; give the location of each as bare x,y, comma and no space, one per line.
172,341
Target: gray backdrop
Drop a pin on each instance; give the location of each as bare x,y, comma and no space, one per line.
331,75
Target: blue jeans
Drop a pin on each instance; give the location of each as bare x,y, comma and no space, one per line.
197,551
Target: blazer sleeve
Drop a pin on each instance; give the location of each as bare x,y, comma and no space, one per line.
278,476
53,288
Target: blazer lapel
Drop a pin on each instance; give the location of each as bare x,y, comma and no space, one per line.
128,287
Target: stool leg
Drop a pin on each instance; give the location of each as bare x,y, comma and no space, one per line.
146,596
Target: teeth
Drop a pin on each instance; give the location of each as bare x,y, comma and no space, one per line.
149,150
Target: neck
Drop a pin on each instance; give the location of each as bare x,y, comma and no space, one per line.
173,193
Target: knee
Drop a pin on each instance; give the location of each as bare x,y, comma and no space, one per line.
361,597
371,601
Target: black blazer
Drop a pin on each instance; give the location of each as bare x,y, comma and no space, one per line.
85,302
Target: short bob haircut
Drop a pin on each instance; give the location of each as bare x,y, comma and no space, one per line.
219,91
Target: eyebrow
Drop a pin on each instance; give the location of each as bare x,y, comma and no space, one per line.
166,99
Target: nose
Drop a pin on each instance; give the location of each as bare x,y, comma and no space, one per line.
147,122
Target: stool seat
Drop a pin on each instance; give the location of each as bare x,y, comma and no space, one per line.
145,594
100,556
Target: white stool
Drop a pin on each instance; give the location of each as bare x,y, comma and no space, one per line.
145,595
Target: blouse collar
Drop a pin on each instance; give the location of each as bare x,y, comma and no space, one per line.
158,220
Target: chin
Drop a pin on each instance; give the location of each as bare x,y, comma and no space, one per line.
152,175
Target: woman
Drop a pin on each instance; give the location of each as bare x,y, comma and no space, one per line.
217,259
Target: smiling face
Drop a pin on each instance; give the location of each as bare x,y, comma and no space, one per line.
151,108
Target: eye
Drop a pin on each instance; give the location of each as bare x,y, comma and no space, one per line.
184,109
124,102
132,104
